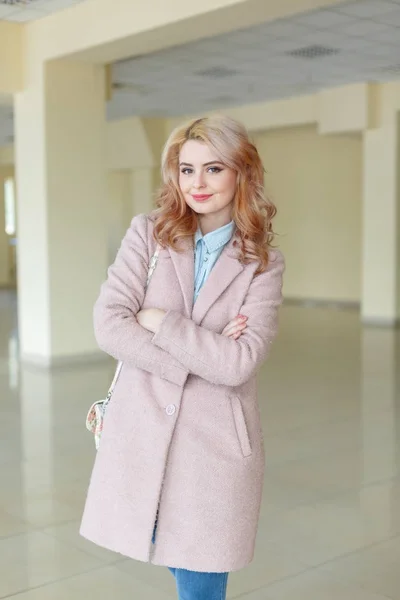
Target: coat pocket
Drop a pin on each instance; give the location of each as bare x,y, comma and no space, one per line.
241,427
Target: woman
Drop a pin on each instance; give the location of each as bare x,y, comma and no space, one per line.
179,472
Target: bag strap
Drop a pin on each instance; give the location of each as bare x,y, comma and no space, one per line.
152,266
114,381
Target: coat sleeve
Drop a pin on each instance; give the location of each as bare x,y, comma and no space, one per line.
217,358
116,329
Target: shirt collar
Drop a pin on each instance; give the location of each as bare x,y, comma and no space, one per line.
217,238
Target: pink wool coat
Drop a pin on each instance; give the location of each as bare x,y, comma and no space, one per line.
182,430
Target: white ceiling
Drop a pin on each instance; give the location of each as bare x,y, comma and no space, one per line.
354,41
23,11
361,39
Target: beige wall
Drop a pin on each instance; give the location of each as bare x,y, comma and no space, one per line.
398,217
129,193
120,209
316,183
7,156
128,145
12,48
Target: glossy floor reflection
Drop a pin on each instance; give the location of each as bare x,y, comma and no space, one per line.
330,522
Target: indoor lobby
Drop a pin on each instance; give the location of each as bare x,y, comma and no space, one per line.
89,92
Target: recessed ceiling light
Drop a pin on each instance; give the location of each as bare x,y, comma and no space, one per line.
394,69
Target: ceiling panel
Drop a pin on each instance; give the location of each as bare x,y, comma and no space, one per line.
350,42
367,9
353,41
326,19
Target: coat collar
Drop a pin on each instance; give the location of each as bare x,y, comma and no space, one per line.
226,269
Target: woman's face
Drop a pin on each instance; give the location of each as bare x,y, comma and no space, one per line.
207,184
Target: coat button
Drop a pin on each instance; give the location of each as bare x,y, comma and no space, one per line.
170,410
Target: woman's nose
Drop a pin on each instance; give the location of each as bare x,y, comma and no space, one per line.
198,180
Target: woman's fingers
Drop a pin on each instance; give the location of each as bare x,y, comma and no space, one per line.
235,327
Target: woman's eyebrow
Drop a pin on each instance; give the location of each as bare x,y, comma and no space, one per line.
207,164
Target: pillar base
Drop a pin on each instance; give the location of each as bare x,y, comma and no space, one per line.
387,322
73,360
322,303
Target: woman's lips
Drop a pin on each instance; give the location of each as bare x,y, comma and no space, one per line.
201,197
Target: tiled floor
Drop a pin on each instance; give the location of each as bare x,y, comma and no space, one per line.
330,523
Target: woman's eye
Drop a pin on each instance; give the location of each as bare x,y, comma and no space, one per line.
189,171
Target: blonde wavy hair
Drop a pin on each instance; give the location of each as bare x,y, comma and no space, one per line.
252,210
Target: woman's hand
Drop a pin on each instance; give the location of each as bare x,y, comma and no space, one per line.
150,318
235,328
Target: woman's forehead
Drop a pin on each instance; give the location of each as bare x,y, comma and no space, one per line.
194,151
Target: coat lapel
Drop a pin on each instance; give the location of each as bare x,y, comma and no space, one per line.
225,270
184,267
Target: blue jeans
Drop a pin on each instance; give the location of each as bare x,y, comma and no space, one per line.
196,585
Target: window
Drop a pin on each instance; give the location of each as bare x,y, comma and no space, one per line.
9,202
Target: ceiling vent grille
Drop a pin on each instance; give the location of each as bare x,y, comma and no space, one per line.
217,73
391,69
313,52
221,100
17,2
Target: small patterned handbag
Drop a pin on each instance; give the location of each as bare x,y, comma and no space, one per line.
95,416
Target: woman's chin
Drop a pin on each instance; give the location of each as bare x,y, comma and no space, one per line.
202,208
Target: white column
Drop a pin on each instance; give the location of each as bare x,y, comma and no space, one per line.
381,224
5,248
62,213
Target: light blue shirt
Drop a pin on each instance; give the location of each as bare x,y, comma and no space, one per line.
207,250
